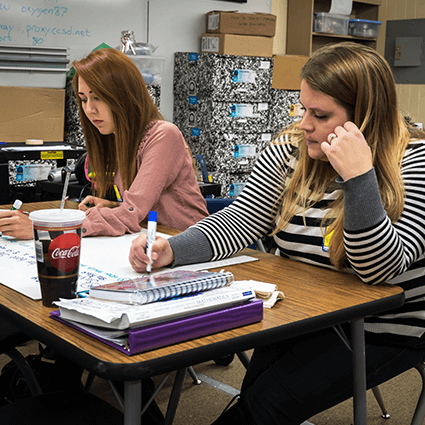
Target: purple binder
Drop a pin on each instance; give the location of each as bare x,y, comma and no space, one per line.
184,328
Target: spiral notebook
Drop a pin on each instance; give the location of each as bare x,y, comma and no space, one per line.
147,289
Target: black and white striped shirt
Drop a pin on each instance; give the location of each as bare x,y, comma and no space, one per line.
377,250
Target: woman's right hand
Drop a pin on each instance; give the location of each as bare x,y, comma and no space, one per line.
162,253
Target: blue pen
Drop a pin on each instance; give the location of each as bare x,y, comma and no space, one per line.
151,238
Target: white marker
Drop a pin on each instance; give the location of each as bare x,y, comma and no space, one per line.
151,237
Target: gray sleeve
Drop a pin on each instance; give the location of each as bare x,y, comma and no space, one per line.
190,247
362,202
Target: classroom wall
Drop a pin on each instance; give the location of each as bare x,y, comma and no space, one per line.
411,96
177,25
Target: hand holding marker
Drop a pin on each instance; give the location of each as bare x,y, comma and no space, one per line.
151,238
16,205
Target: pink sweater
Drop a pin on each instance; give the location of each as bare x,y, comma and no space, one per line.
165,183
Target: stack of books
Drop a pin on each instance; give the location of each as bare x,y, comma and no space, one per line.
142,314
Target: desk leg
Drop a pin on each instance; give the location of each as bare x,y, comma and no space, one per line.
359,372
133,403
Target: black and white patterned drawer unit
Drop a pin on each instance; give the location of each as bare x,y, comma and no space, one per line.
280,104
207,114
222,77
225,151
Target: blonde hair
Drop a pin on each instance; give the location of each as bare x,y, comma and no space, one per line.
360,80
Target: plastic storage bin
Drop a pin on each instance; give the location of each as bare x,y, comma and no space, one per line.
151,67
363,28
331,23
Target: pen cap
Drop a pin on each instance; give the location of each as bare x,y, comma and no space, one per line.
152,216
17,204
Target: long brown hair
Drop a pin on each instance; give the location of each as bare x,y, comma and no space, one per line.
360,80
117,81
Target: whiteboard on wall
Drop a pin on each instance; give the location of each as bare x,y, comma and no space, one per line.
79,25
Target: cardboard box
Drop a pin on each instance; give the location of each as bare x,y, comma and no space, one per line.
238,45
286,71
31,113
223,22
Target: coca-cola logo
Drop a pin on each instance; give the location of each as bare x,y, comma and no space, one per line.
64,252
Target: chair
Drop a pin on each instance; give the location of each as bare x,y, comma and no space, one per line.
217,204
419,414
411,359
10,338
61,409
54,408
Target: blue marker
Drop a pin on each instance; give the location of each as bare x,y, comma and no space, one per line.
151,238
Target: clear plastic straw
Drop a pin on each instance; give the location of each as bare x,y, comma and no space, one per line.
65,189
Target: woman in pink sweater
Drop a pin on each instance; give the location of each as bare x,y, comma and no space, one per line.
137,161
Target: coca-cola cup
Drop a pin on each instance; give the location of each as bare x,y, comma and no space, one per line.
57,239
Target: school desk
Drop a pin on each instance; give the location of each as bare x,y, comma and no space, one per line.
315,298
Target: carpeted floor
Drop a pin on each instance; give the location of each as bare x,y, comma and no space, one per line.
202,404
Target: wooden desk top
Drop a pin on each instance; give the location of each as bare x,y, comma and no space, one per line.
314,298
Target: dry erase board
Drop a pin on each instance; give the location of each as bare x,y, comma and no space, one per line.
80,25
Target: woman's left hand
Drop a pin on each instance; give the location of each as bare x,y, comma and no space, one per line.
348,151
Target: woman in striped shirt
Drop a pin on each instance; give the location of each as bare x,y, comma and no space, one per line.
344,188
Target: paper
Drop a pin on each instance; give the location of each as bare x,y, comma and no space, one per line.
110,314
341,7
268,292
104,259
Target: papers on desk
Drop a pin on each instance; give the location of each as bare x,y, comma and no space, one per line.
268,292
18,268
98,264
116,315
